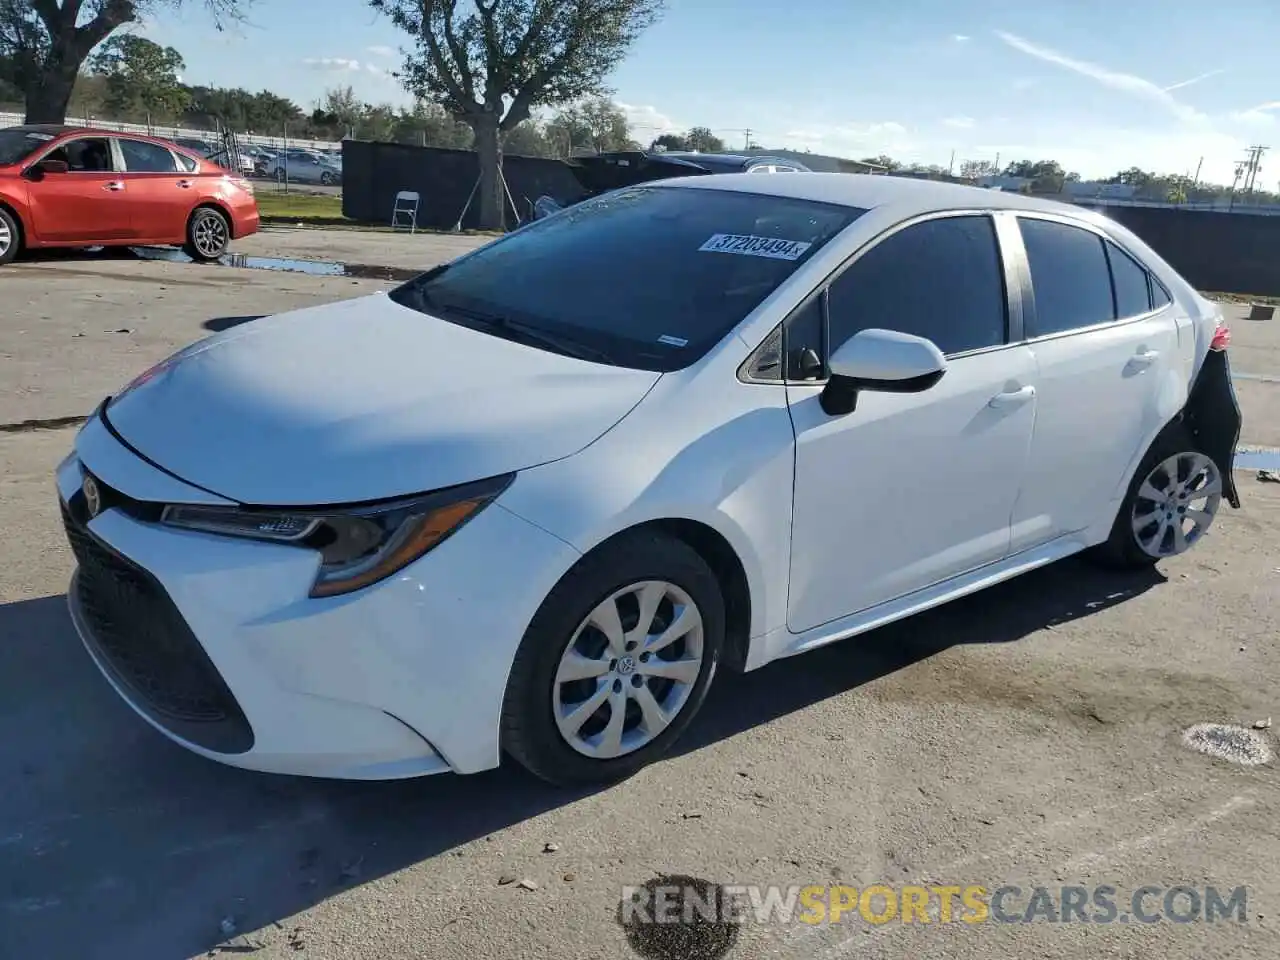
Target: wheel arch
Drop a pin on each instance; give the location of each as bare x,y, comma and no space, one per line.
23,232
218,208
1196,413
730,572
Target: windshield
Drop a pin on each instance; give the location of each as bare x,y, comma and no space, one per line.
17,144
647,277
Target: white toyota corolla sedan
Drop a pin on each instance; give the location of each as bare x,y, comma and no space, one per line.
535,500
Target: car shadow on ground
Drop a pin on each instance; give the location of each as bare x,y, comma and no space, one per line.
116,843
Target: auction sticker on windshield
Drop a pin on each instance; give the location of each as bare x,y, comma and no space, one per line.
750,246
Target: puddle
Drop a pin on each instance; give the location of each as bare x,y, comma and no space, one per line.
315,268
1257,458
1225,742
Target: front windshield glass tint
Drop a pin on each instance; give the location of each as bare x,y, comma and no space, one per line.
17,145
646,277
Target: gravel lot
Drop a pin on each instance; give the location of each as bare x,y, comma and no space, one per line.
1029,735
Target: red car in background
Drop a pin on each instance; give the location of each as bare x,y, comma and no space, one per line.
76,187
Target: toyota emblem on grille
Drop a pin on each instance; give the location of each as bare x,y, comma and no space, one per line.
92,496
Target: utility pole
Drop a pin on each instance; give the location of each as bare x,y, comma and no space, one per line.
951,166
747,134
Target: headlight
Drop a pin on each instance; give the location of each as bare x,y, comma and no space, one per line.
358,545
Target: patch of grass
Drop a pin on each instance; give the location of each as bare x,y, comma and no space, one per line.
325,210
299,206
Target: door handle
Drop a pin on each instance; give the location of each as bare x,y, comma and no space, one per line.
185,184
1012,397
1145,358
114,185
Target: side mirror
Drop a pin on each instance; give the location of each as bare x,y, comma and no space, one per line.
37,171
881,360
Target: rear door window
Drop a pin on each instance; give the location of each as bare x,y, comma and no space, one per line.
1069,275
143,157
1132,286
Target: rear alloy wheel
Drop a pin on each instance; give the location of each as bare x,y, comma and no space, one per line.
1175,504
9,237
616,663
1171,503
327,178
207,235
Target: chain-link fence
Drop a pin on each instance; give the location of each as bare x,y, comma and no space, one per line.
276,140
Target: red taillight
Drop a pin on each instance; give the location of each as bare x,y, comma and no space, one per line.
1221,337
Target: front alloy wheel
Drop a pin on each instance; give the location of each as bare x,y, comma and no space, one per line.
616,662
8,237
1175,504
629,670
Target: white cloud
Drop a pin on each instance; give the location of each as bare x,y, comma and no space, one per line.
380,51
852,140
647,121
960,38
1186,83
1123,82
1259,116
960,123
333,64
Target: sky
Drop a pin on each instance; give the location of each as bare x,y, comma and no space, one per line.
1095,84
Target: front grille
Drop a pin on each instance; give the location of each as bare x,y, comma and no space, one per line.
147,646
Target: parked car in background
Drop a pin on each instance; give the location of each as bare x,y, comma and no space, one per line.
537,500
75,187
613,171
305,166
262,158
197,146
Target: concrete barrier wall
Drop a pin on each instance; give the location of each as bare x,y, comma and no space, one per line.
373,173
1216,251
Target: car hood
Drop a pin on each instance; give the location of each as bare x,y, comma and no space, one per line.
364,400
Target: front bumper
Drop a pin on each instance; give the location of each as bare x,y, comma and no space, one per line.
215,642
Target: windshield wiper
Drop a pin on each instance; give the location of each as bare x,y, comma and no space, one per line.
528,333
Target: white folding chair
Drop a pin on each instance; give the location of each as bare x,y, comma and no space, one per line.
406,206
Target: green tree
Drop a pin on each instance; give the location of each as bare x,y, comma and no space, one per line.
143,79
428,124
888,163
703,140
50,41
489,63
596,124
669,141
527,139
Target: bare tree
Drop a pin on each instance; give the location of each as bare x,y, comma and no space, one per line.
49,41
491,62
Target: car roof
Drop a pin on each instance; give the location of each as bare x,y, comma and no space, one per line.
867,191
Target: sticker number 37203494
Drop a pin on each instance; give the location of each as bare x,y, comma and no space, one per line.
749,246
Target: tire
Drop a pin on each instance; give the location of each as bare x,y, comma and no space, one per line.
208,235
537,701
1122,549
280,175
327,179
10,237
